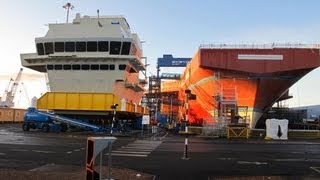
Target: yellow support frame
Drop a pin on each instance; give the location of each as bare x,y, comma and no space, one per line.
238,131
84,102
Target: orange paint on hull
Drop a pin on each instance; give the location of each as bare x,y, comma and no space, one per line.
257,83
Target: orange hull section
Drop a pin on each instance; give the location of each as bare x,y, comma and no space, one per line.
258,83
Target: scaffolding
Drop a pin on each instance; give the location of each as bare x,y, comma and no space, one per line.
225,109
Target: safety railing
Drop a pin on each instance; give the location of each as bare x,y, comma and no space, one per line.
259,46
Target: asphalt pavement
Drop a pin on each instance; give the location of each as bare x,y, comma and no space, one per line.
163,155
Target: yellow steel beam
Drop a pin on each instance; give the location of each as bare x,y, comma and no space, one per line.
84,102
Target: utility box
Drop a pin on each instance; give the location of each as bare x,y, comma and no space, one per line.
95,146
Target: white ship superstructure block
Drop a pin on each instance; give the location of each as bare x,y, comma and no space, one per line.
95,55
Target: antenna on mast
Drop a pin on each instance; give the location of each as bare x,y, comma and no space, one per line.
100,25
68,6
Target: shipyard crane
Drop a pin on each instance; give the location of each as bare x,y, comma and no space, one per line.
11,91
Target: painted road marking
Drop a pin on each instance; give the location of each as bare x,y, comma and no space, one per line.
256,163
131,152
299,160
129,155
138,148
47,152
133,149
2,154
316,169
226,159
19,150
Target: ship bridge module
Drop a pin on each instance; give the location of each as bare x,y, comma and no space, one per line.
93,67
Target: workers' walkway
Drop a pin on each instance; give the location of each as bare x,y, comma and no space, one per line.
138,148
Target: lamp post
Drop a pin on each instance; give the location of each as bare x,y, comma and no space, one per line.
114,107
68,6
185,154
171,115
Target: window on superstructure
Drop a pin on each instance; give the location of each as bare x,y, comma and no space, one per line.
67,67
76,67
103,46
70,47
94,67
122,66
85,66
81,46
92,46
58,67
112,67
104,67
49,67
115,47
40,49
59,47
48,48
125,48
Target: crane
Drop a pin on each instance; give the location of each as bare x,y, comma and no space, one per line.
10,92
26,93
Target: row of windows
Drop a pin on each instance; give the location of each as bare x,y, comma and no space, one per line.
85,67
116,47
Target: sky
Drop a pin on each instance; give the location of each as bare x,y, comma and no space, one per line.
174,27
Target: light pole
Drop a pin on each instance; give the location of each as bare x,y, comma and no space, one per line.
114,107
68,6
171,115
185,154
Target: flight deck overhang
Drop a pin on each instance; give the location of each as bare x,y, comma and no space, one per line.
259,61
38,63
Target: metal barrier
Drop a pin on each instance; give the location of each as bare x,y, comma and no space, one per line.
258,46
95,146
214,126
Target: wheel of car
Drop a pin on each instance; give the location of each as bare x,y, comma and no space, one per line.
45,128
25,127
64,127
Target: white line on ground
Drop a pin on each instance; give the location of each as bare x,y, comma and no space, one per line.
316,169
131,155
19,150
130,152
145,144
139,144
47,152
2,154
256,163
69,152
148,141
146,147
135,149
226,158
298,160
291,160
